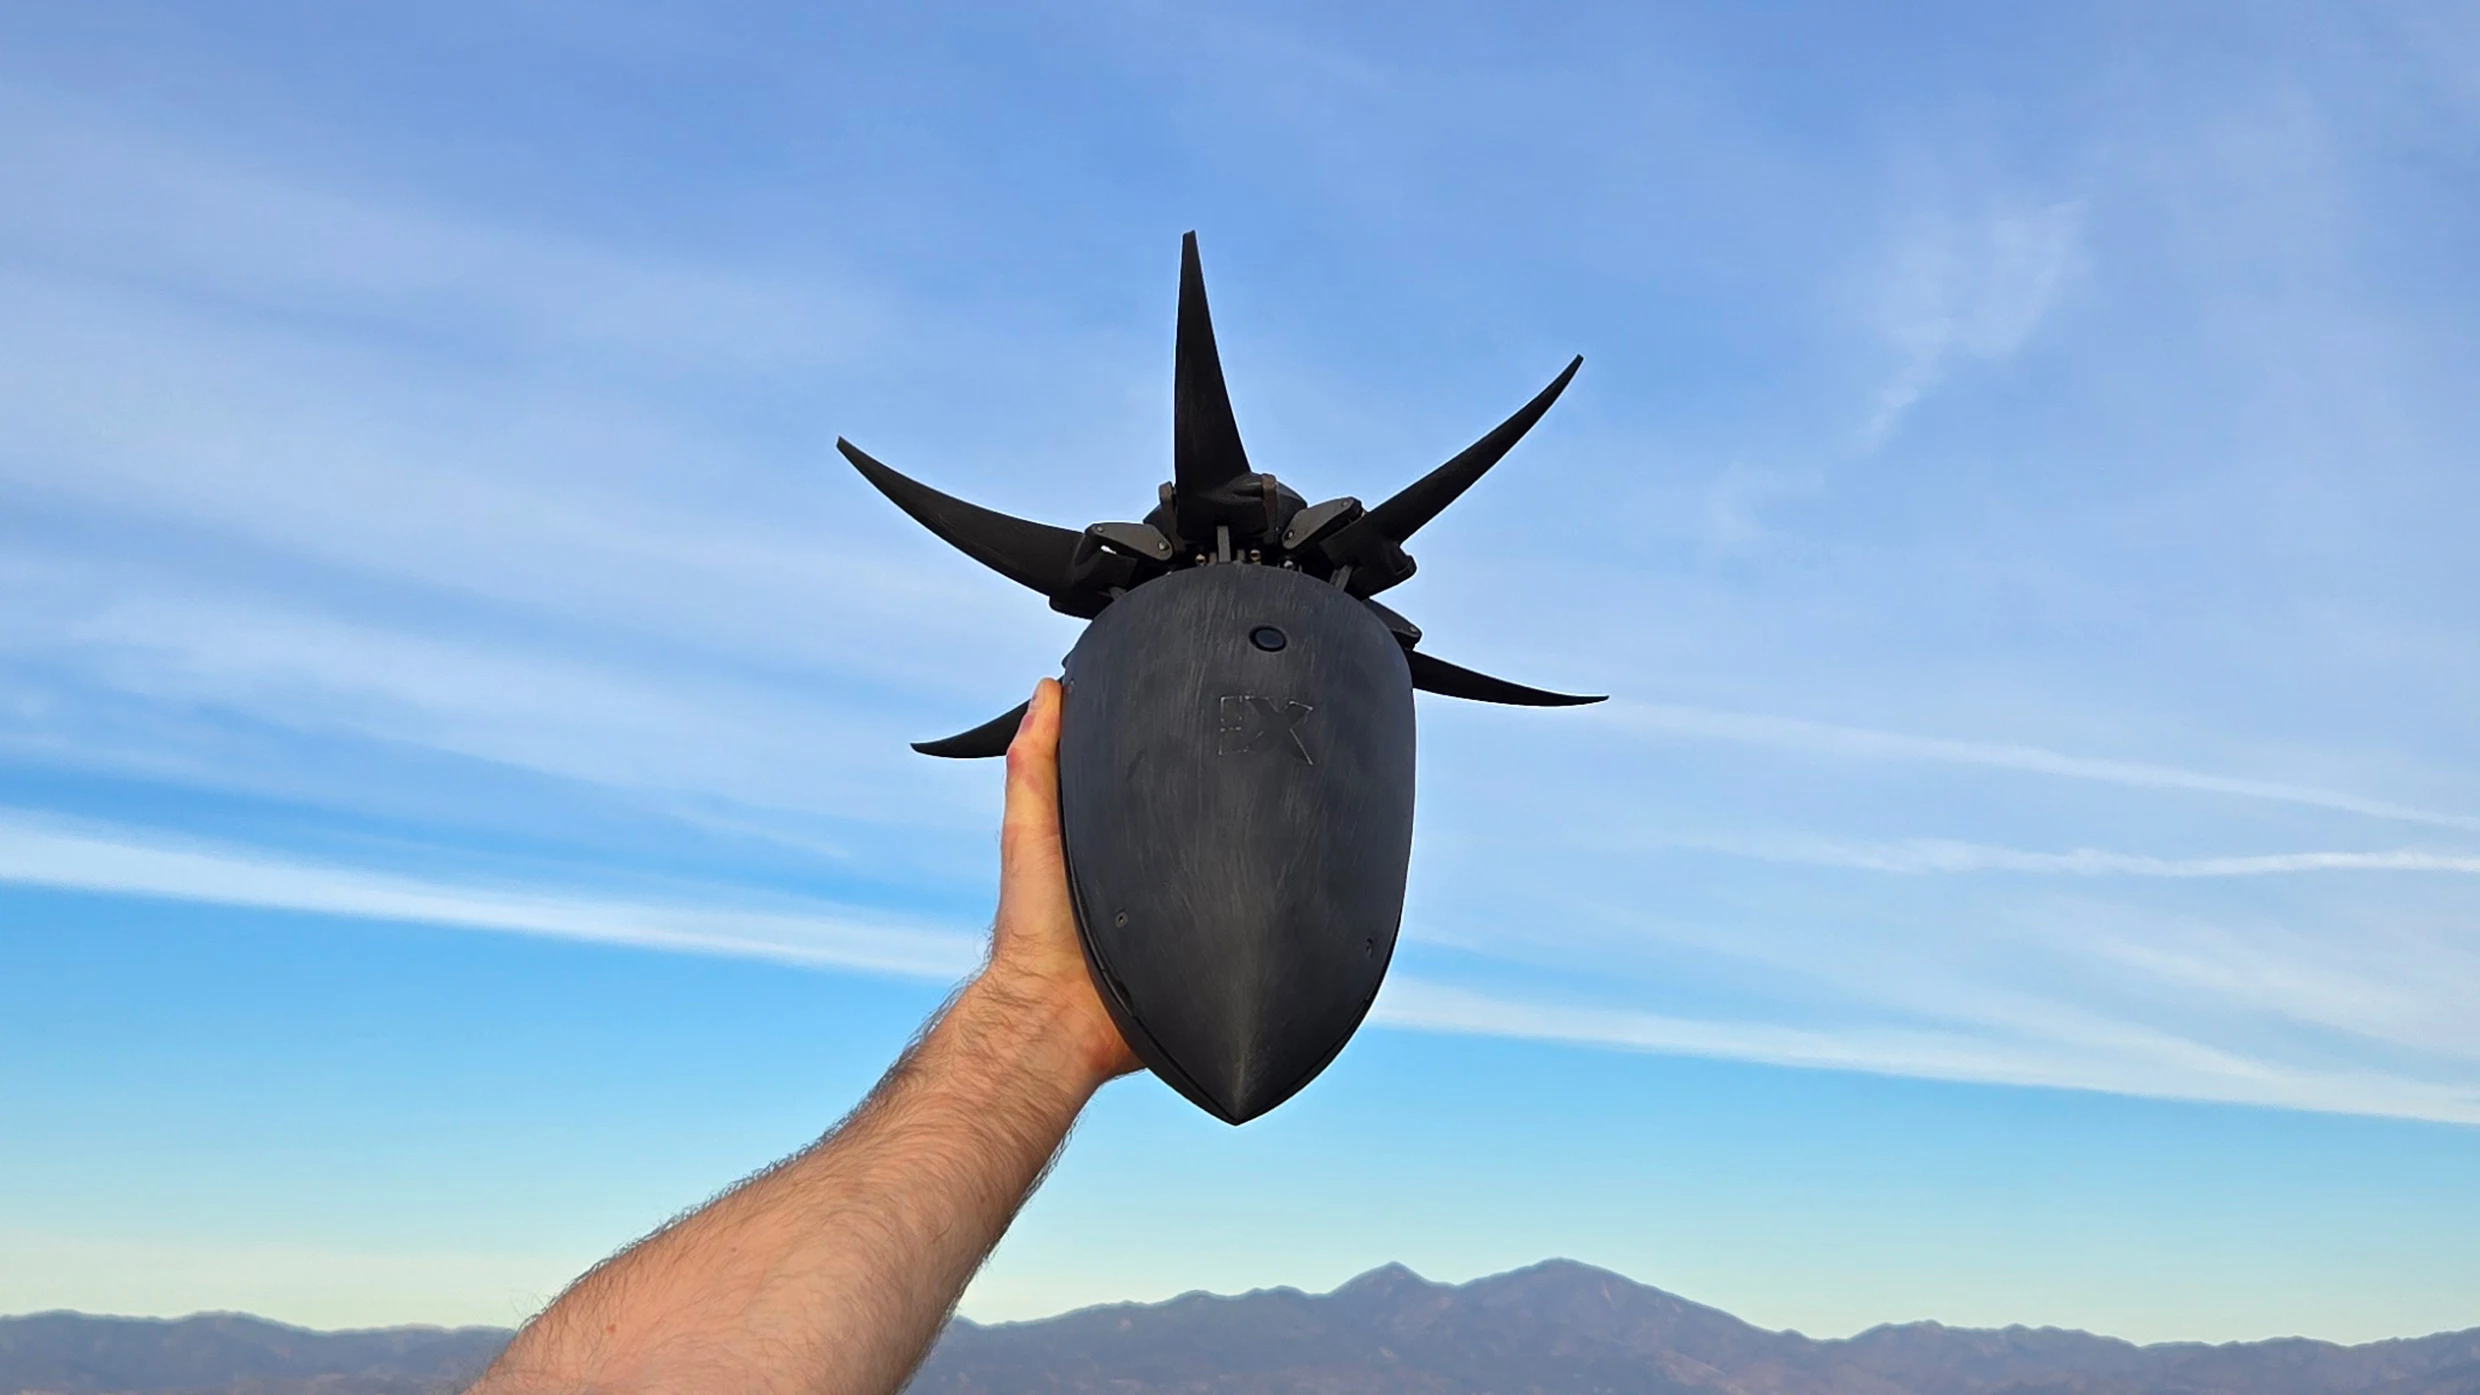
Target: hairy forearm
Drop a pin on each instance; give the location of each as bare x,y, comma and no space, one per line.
832,1271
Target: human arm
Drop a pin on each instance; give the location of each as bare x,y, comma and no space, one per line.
831,1272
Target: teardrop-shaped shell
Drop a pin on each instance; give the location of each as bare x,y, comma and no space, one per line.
1236,770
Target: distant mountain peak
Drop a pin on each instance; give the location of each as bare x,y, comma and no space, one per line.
1385,1279
74,1354
1563,1327
1564,1273
1556,1328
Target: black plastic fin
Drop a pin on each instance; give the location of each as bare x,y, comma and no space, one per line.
991,738
1406,633
1029,554
1432,675
1205,437
1136,539
1318,520
1422,500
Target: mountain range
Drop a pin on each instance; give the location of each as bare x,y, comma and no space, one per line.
1558,1328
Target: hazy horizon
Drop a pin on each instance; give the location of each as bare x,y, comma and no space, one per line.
1192,1293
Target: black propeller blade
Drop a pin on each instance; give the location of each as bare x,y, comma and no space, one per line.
991,738
1448,680
1205,437
1217,510
1029,554
1420,501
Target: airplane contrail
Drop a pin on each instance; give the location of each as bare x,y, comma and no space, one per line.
1795,733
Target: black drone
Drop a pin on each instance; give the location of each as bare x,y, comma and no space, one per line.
1236,743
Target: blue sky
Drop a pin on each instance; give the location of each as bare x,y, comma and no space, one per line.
454,807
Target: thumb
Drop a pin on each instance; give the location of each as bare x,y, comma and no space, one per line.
1032,866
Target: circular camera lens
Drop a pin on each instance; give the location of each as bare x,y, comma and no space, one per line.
1267,637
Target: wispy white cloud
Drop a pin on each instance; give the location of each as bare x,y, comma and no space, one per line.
1736,500
2010,1038
204,448
219,365
2190,1072
120,206
1958,289
1927,855
616,721
35,853
2402,980
361,466
1864,743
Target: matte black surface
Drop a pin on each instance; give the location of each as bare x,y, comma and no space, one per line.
1425,498
1205,438
1029,554
991,738
1367,553
1436,675
1236,760
1238,824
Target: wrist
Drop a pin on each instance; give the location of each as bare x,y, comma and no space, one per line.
1054,1032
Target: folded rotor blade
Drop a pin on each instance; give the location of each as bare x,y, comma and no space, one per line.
991,738
1447,680
1029,554
1406,633
1420,501
1205,438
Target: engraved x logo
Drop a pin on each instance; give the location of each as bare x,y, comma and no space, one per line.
1253,723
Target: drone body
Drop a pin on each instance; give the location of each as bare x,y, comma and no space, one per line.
1236,742
1235,782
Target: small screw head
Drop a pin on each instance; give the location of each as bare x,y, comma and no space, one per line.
1120,919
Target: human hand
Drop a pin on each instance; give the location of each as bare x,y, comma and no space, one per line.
1036,963
833,1269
